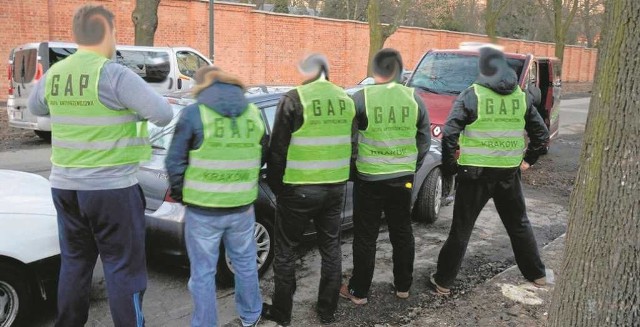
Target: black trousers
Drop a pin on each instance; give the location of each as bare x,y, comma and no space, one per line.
471,197
370,199
109,223
296,206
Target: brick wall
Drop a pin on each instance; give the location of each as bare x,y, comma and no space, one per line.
260,47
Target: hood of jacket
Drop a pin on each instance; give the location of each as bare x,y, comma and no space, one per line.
225,95
495,72
225,99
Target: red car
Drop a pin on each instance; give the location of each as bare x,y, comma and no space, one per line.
442,74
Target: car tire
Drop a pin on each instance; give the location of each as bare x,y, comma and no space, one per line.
15,296
264,234
428,203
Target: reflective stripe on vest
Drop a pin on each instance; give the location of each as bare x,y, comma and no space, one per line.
223,172
496,138
317,164
388,145
86,133
320,151
94,121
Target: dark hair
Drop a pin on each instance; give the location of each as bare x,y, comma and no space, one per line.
88,27
315,63
486,63
387,63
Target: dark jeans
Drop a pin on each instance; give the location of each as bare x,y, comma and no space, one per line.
370,199
471,197
296,206
109,223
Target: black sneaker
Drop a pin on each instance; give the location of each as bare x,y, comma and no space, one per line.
268,314
327,318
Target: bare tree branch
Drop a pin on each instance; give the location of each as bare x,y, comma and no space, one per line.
572,14
397,20
547,12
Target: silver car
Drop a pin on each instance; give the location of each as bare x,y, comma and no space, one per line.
165,217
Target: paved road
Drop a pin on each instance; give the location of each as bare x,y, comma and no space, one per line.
168,303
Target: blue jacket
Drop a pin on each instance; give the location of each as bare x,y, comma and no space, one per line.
227,100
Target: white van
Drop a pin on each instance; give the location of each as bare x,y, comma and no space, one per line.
166,69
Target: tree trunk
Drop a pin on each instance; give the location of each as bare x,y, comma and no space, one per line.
378,34
600,277
376,37
491,15
260,4
145,21
558,31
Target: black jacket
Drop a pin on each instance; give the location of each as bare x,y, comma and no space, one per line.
227,100
289,119
465,112
423,135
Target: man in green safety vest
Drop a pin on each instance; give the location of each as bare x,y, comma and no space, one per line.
98,114
393,140
213,164
308,166
487,122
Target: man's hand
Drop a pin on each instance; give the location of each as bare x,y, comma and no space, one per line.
524,166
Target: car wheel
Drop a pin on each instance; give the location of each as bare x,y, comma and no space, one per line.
264,255
45,135
15,298
429,200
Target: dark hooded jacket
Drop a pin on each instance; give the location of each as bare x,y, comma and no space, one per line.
226,99
502,80
289,118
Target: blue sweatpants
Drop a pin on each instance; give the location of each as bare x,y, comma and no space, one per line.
109,223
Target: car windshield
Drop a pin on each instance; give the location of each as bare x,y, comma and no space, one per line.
450,73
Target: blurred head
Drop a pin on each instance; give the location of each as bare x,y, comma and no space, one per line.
93,29
387,66
209,75
494,69
314,66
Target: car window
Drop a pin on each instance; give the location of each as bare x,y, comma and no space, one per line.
451,73
152,66
270,113
24,65
57,54
189,63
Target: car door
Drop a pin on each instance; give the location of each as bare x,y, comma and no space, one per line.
551,81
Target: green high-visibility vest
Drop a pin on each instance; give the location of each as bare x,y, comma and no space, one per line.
86,133
496,138
223,172
388,145
320,151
